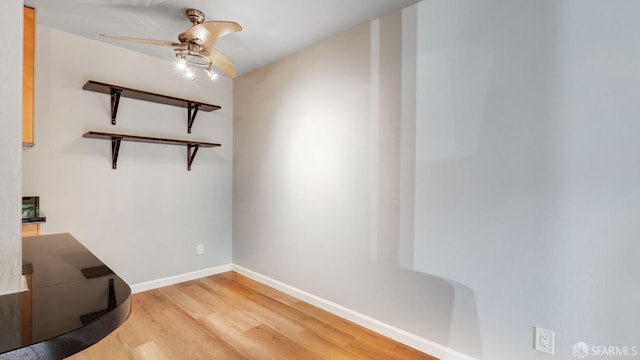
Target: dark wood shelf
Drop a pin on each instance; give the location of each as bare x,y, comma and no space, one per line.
116,91
192,146
146,139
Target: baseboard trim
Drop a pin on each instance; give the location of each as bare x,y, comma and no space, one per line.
170,280
440,351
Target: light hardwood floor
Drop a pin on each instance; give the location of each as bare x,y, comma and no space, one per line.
229,316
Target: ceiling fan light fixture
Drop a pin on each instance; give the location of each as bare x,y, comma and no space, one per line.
188,73
187,59
181,64
211,73
194,58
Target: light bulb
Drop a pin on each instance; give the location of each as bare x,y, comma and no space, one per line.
181,65
189,74
212,74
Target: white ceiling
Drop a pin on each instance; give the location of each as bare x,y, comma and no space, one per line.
272,29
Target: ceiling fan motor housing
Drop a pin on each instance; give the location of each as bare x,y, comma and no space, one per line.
195,16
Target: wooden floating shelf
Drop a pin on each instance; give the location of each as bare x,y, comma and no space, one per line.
116,139
118,91
146,139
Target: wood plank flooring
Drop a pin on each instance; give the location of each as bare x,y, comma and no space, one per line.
229,316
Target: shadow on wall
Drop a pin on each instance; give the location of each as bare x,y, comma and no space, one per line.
450,305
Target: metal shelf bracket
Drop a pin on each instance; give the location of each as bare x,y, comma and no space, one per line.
115,150
115,101
192,111
192,149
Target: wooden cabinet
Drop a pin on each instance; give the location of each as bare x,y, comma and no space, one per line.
28,76
30,230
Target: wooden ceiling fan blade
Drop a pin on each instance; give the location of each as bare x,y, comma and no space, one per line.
143,41
222,62
209,32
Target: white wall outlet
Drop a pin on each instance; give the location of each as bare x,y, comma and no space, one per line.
200,249
544,340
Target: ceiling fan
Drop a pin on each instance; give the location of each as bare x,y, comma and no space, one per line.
195,46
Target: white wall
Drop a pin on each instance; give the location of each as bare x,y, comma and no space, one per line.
527,177
10,144
462,171
145,218
316,167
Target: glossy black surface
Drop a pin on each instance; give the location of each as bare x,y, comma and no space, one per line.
69,285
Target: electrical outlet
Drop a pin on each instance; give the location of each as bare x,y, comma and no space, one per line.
544,340
199,249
